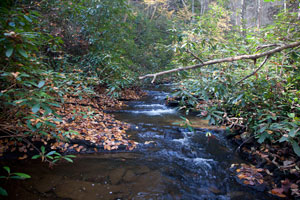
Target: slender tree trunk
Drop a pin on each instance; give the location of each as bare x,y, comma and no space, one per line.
201,7
299,11
183,3
243,20
258,17
204,6
236,12
155,7
126,15
193,10
284,5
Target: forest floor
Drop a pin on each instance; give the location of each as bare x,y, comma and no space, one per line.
272,168
85,124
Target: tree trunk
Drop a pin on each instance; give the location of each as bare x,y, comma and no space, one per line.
183,3
155,7
284,5
258,17
243,20
193,10
299,11
201,7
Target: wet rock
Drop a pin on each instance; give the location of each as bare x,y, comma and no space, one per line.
148,186
46,183
116,175
173,103
214,190
236,195
129,176
142,170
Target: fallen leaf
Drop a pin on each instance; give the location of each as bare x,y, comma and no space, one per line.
278,192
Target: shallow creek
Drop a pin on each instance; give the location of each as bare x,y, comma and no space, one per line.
169,163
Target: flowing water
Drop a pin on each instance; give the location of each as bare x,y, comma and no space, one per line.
169,163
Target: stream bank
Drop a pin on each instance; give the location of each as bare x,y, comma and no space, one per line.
170,163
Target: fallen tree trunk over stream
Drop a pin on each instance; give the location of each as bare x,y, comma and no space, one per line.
229,59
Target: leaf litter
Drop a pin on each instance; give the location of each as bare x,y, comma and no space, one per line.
83,126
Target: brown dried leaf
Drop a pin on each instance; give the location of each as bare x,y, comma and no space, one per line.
278,192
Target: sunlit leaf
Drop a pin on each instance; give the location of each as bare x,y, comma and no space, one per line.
36,108
27,18
7,169
9,52
22,52
41,84
20,175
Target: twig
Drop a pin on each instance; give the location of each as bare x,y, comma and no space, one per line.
239,147
194,55
254,72
154,77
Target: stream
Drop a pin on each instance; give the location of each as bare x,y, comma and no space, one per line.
169,163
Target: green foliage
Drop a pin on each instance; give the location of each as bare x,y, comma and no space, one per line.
52,156
266,104
53,49
10,175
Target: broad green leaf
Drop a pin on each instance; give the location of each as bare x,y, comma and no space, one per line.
70,156
27,18
9,52
22,52
30,126
262,137
3,192
283,139
7,169
50,124
262,129
68,159
36,108
43,149
296,148
22,175
291,115
39,124
41,84
50,157
46,108
35,156
43,133
51,153
292,133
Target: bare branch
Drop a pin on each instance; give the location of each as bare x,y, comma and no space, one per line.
230,59
266,46
194,55
261,65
